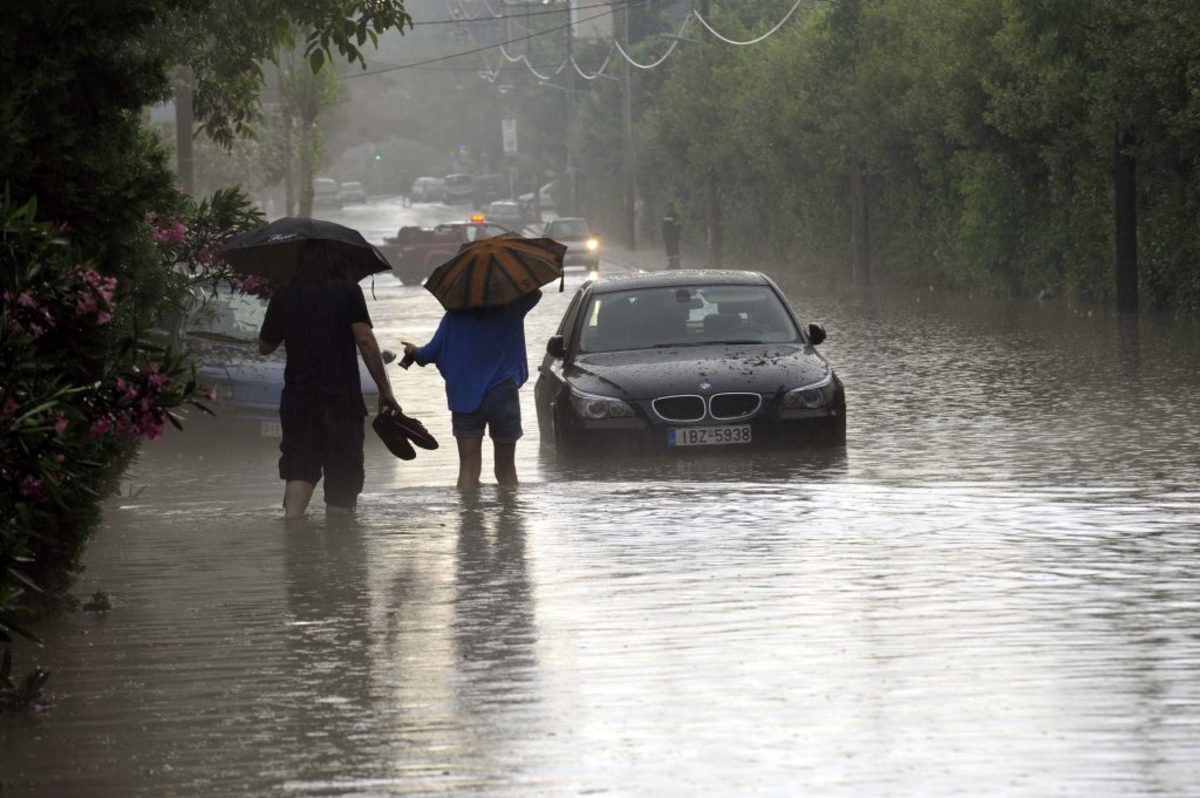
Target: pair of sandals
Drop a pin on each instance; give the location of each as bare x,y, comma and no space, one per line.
399,432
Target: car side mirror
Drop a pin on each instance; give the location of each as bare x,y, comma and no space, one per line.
556,347
388,356
816,334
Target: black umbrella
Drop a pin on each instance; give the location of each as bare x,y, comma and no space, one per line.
273,251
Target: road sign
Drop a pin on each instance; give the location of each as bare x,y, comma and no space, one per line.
508,128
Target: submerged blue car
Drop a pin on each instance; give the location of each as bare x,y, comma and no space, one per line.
221,334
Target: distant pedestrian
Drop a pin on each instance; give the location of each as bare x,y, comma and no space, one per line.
480,352
671,230
322,318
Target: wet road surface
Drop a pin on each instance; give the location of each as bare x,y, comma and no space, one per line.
993,590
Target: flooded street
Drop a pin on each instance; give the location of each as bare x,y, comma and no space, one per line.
993,589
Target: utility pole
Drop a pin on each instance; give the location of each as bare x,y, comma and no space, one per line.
1125,214
712,204
571,210
627,145
184,124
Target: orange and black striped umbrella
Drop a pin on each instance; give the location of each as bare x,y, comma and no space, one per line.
495,271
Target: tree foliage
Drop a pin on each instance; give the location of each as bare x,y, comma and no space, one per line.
987,129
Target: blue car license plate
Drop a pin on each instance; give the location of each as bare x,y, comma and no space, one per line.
708,436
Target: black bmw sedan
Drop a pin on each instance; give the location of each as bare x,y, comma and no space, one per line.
686,360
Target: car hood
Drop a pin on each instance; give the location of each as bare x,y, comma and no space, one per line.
648,373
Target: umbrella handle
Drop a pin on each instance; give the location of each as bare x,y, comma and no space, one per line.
562,280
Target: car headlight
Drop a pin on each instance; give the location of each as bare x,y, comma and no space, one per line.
811,397
592,244
594,407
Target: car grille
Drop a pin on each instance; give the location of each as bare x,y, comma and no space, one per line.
728,406
679,408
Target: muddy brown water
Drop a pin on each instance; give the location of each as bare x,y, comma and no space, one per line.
993,589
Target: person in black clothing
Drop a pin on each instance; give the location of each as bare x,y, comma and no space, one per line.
670,232
322,317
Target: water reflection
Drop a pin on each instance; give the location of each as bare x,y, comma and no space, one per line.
327,633
494,625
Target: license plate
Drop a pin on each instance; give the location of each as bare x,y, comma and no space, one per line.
271,429
708,436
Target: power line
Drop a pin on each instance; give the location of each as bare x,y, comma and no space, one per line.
612,10
499,17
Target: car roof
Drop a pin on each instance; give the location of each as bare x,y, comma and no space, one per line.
568,219
677,277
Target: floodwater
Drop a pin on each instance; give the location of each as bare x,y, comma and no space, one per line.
992,590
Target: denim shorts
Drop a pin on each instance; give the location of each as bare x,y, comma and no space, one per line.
500,412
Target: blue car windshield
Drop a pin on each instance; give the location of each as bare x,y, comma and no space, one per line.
227,315
650,318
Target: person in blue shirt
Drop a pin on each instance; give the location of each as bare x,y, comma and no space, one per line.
481,355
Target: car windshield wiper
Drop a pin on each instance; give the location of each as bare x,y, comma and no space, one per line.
217,336
703,343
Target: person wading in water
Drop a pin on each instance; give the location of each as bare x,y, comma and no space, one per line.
322,318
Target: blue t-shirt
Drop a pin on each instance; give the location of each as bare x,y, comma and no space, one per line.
478,350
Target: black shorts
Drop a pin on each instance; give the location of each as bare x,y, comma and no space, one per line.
320,439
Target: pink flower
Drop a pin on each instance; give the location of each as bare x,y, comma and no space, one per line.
33,489
85,304
152,429
37,330
59,458
60,424
100,427
103,317
172,235
156,380
211,395
26,301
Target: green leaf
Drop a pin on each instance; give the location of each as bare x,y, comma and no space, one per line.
317,60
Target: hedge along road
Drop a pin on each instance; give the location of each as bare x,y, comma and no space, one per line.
992,589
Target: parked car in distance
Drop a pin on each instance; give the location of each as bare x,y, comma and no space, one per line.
508,213
414,252
544,193
460,189
220,332
326,193
583,248
489,188
353,191
428,189
686,360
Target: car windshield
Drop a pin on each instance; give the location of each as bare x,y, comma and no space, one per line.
647,318
228,315
568,228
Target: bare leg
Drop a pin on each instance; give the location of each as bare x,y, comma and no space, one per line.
296,496
470,462
506,463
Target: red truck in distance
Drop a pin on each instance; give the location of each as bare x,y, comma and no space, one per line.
414,252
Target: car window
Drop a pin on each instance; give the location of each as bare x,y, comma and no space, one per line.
685,316
576,228
493,230
228,315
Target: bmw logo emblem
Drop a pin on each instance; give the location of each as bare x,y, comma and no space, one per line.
706,386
